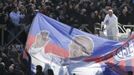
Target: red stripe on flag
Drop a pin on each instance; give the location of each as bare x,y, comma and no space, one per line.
122,65
111,62
55,49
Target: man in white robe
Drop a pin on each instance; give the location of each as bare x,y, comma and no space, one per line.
111,22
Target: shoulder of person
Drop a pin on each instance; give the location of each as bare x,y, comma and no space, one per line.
114,16
107,15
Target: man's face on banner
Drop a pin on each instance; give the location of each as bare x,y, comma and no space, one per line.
81,46
42,38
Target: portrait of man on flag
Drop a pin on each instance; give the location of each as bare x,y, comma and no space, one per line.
37,48
81,46
68,49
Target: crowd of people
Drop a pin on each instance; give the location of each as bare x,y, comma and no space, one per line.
18,15
15,13
10,63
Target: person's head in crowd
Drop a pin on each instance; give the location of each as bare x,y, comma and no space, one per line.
50,72
4,55
3,63
125,10
15,9
74,74
107,7
39,68
17,67
125,7
33,1
9,47
2,68
96,12
83,11
12,60
0,59
13,48
11,68
115,9
48,3
113,3
22,9
30,9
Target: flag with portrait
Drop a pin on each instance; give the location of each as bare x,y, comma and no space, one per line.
51,42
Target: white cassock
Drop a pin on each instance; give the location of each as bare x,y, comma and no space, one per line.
39,57
111,27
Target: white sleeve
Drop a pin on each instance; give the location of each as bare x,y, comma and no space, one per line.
105,19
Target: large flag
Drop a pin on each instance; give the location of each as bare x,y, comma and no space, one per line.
121,59
51,42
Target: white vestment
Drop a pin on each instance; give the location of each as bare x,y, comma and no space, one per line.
111,23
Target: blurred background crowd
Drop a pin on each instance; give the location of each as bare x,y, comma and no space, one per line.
17,16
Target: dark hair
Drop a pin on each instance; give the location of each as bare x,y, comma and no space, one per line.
39,68
130,73
50,72
74,74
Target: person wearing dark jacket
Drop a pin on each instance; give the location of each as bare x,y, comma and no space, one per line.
39,70
50,72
